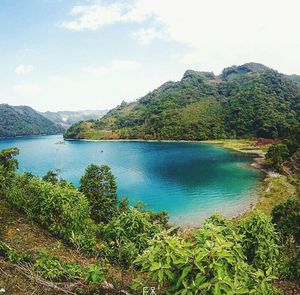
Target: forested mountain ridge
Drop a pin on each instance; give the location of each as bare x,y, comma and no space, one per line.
23,120
250,100
67,118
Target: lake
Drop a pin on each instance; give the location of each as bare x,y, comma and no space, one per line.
188,180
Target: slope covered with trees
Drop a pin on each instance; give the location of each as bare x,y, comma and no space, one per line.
251,100
23,120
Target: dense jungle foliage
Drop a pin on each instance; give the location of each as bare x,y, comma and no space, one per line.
23,120
245,101
222,257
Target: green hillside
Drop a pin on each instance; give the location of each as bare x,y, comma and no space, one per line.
23,120
251,100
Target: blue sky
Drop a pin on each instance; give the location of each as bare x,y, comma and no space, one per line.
92,54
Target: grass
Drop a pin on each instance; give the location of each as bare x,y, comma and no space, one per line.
24,236
274,191
249,146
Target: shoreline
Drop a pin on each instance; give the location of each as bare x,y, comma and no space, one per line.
28,136
257,155
135,140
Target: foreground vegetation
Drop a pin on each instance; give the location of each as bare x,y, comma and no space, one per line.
85,241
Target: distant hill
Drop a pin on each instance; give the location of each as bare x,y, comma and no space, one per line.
250,100
23,120
295,78
67,118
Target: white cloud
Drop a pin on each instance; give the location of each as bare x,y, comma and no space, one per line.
116,66
27,89
145,36
57,78
215,33
124,65
23,69
96,15
97,71
218,33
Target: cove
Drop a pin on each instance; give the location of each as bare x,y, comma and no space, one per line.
188,180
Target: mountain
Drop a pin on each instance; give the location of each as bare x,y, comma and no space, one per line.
295,78
23,120
250,100
67,118
248,68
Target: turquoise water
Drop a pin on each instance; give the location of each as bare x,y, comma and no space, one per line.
188,180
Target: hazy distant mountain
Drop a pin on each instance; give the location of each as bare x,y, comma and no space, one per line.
23,120
67,118
250,100
295,78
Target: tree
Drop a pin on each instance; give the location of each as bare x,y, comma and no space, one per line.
295,162
276,155
259,241
7,159
8,166
51,176
99,186
286,216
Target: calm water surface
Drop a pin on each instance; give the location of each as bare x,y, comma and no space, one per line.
188,180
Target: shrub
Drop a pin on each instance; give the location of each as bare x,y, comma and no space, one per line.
128,235
161,218
259,241
286,217
50,267
64,211
8,161
276,155
84,242
293,267
219,220
8,167
123,205
290,259
294,162
12,255
164,261
51,176
213,263
99,186
16,257
4,249
94,274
